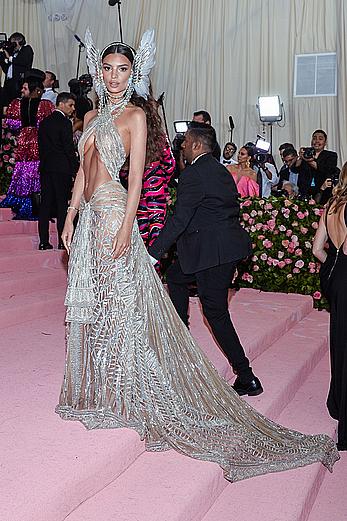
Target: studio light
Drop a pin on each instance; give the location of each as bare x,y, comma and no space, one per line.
270,109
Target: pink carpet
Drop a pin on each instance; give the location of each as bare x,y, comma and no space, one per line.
53,470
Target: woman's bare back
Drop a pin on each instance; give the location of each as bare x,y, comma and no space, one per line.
336,226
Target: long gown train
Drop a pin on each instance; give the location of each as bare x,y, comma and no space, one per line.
131,362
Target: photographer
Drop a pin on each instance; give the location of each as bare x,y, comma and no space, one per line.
16,59
318,168
267,173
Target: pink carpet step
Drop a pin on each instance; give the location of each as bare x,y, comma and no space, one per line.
22,242
331,502
22,261
21,282
284,368
5,214
171,487
22,308
260,318
286,496
29,227
48,466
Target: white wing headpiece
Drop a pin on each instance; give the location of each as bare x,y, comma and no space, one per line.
144,60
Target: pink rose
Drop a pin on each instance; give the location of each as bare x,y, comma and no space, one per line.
312,270
289,233
276,232
295,224
254,258
317,295
301,215
263,256
248,202
282,228
280,254
295,207
299,264
260,213
267,244
281,264
255,267
253,229
318,211
245,216
314,226
274,213
6,157
6,147
261,237
285,243
254,213
261,202
289,276
296,270
303,230
250,221
271,224
286,212
288,261
312,202
258,226
308,245
298,252
275,262
268,206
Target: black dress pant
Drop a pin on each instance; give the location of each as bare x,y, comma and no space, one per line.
213,284
55,193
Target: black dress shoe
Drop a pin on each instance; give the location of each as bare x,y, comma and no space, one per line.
252,387
61,246
45,246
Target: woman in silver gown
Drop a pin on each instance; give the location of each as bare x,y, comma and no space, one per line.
130,361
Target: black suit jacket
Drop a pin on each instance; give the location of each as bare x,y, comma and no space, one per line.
205,222
21,63
56,147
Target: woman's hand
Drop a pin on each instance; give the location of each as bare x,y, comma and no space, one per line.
327,184
121,243
67,234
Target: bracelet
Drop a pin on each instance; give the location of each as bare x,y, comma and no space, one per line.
72,208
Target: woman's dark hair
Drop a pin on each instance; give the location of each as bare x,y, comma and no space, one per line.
119,48
156,137
339,197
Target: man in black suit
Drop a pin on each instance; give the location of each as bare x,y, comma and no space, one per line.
15,64
58,165
210,242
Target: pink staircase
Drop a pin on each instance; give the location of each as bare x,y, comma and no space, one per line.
54,470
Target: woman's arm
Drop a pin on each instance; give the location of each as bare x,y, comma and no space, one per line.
73,208
138,139
320,240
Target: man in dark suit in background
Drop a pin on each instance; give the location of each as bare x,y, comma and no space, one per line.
58,165
210,242
15,61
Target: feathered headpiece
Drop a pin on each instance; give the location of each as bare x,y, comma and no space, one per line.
144,60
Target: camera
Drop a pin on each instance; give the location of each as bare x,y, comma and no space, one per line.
6,45
181,128
308,153
260,158
81,86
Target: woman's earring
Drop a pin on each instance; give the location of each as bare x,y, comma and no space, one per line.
248,163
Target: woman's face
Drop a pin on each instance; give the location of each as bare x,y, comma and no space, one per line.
242,155
116,69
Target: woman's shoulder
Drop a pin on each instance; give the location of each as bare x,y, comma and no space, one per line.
91,114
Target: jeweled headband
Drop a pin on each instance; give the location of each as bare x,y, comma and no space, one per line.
144,60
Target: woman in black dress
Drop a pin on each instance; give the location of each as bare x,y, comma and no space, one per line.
333,230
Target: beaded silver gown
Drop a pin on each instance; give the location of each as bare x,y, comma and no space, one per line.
131,362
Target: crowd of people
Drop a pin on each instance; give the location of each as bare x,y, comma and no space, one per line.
131,360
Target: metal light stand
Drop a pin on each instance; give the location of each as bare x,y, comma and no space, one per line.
112,3
160,102
80,47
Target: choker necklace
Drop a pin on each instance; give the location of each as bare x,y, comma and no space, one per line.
114,97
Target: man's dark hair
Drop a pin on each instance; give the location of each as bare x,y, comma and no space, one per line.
205,134
205,115
289,151
18,37
63,97
320,131
283,146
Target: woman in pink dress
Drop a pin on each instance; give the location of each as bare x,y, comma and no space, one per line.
244,176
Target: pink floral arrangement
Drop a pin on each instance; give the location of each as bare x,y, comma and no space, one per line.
282,233
7,158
